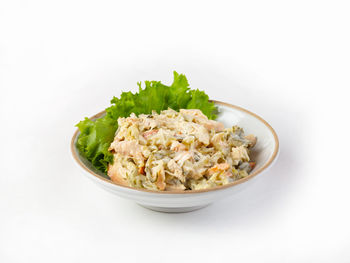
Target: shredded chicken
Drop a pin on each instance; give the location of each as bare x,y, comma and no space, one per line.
178,151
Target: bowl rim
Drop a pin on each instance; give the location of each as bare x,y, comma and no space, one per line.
74,151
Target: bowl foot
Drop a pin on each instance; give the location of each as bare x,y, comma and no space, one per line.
173,209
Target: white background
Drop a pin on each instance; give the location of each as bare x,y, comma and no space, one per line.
288,61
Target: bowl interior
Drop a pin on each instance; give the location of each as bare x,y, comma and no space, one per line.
263,153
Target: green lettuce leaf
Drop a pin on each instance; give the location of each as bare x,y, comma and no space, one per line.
94,140
200,100
96,136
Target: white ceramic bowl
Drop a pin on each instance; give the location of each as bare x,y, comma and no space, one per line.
264,154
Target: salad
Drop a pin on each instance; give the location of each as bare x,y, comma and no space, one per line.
165,138
178,151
